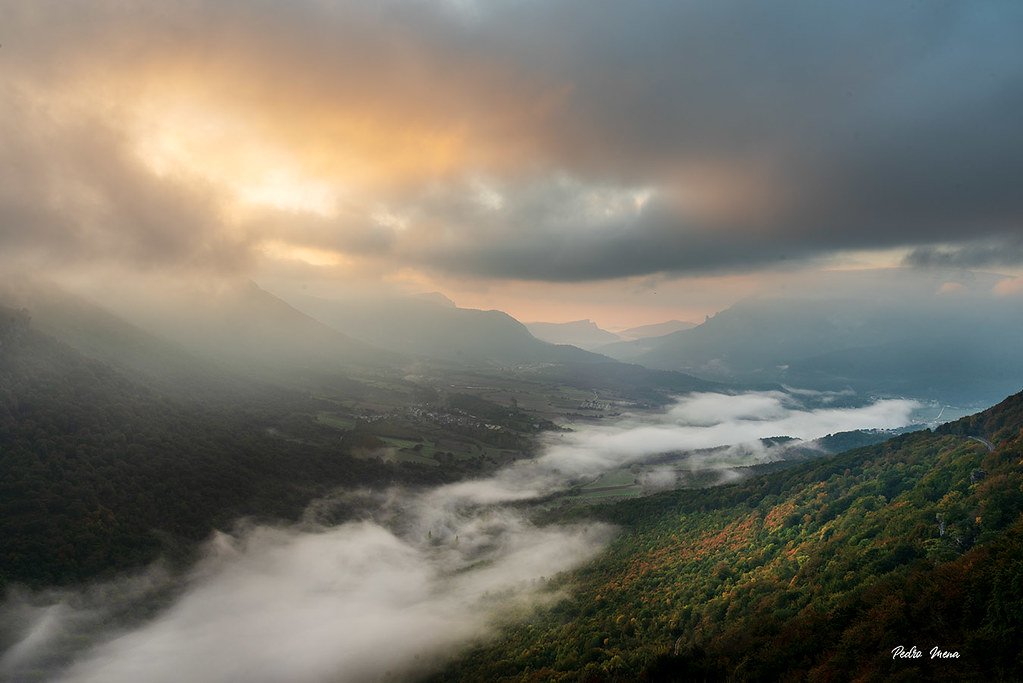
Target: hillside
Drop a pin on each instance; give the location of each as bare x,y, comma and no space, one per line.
245,330
101,473
101,335
424,328
238,339
815,572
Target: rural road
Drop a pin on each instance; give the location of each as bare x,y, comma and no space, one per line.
990,446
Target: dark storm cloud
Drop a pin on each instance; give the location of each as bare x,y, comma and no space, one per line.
566,231
879,125
764,133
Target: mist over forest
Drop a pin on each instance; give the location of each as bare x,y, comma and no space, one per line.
422,571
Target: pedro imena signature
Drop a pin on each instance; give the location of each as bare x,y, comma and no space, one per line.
900,652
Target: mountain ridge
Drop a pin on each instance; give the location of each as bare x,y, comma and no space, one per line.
956,346
585,334
410,326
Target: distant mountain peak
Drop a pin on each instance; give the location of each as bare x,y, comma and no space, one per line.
585,333
656,329
436,298
584,323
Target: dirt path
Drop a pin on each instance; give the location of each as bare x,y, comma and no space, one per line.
990,446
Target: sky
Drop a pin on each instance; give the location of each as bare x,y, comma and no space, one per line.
626,162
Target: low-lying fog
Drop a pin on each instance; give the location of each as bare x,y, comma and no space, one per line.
418,576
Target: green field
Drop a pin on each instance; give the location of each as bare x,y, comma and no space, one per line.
619,477
404,450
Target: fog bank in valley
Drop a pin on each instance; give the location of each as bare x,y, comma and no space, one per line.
696,422
416,576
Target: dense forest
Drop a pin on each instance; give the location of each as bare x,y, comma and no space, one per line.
816,572
101,472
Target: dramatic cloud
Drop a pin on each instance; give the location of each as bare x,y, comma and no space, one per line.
72,191
395,593
568,141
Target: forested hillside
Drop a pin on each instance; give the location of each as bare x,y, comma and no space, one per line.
99,472
815,572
